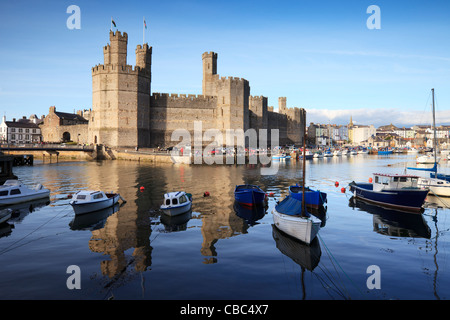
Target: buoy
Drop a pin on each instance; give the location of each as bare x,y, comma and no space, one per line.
336,184
206,194
343,190
142,188
271,194
370,180
69,196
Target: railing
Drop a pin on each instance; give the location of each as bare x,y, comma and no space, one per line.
46,146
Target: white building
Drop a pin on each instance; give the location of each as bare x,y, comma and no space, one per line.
19,131
362,133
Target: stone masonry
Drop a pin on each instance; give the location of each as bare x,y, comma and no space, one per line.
126,114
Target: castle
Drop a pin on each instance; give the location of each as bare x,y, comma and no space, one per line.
125,113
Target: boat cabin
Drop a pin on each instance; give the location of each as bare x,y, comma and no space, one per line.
175,198
394,181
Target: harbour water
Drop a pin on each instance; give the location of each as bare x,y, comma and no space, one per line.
132,252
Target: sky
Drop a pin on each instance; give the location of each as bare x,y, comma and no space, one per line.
320,55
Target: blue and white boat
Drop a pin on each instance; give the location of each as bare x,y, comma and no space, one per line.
292,219
400,192
176,203
384,151
248,194
313,198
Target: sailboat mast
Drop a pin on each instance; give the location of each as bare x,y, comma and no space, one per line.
434,130
304,167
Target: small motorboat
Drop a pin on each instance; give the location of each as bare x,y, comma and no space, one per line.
14,191
279,156
429,158
400,192
5,215
288,216
313,198
248,194
176,203
86,201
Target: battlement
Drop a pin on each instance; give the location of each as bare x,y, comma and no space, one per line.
209,54
117,35
177,96
108,68
145,47
260,98
233,80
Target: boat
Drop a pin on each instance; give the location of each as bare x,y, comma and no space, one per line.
363,151
435,185
176,203
248,194
308,155
86,201
313,198
345,152
318,155
328,154
337,153
353,152
5,215
279,156
14,191
93,221
396,191
412,150
291,217
384,151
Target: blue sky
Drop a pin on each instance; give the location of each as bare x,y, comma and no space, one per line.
318,54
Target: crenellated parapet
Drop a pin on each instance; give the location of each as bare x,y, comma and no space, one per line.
182,97
127,69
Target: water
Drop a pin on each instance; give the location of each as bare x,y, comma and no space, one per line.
134,253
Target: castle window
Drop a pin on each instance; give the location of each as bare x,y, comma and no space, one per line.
223,100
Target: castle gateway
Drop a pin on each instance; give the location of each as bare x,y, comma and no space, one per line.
126,114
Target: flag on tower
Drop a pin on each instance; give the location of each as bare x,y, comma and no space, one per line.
145,24
112,21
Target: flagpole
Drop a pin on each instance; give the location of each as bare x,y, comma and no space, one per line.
143,31
111,25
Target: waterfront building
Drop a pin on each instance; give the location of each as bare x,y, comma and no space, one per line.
18,132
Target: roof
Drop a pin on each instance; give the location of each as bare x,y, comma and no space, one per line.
18,124
70,116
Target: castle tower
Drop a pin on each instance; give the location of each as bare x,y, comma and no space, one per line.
209,73
121,96
282,105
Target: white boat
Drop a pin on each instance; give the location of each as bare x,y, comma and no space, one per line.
353,152
5,215
176,203
429,158
345,152
337,153
413,150
86,201
318,155
14,191
363,151
437,187
303,228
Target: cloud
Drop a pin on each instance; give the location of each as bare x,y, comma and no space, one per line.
377,117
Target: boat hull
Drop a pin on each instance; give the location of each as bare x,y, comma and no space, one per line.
301,228
249,197
93,206
177,210
24,198
410,200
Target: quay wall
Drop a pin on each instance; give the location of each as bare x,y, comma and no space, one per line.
63,155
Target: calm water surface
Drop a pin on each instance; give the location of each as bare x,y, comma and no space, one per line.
216,252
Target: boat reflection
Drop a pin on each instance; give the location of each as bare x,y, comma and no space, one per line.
176,223
21,210
433,201
94,220
251,214
394,223
307,256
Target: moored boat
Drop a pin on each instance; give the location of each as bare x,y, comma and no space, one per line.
313,198
13,192
400,192
248,194
289,217
86,201
176,203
